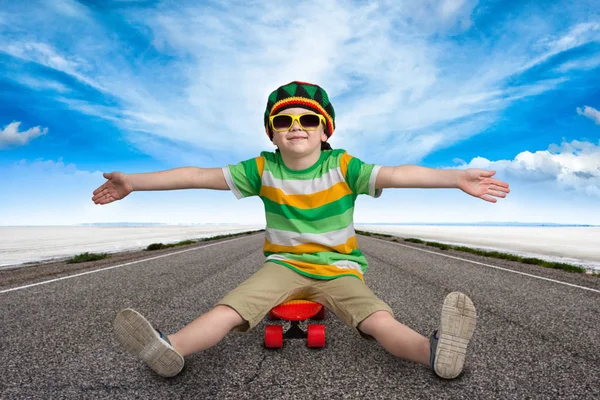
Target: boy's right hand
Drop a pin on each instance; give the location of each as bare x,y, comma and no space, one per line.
116,188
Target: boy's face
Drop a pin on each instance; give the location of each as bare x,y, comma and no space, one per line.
296,140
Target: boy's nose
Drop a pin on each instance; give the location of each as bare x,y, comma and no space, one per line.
295,126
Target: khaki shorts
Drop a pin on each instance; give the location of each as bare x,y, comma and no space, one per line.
347,297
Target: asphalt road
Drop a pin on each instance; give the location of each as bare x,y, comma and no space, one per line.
535,338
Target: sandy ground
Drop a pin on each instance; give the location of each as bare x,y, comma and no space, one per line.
36,271
30,244
572,245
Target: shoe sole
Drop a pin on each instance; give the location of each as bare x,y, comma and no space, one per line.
457,326
140,339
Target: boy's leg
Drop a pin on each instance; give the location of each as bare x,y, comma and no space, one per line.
353,302
444,352
240,310
164,354
205,331
395,337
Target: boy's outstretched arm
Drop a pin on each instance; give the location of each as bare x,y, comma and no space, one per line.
476,182
119,185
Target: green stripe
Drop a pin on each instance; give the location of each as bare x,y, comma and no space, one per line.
333,223
324,257
245,177
321,277
314,214
327,258
253,175
274,164
353,172
359,176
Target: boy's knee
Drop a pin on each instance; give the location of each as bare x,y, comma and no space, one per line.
369,325
229,314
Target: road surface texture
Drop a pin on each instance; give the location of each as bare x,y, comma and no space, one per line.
536,338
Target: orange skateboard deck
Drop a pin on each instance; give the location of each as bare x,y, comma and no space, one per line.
296,311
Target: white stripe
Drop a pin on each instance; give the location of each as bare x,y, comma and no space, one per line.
229,180
299,186
276,257
287,238
114,266
372,191
342,264
347,264
492,266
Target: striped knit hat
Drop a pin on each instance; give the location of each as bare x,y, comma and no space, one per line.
300,94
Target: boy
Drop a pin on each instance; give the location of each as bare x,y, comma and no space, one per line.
309,192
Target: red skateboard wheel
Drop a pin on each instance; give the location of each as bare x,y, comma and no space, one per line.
316,335
274,336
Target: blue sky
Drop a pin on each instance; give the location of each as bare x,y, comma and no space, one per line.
139,86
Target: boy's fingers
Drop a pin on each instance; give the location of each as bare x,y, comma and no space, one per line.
488,198
105,199
107,175
500,186
102,190
99,190
499,182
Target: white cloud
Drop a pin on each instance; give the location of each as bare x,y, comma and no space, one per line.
46,55
570,166
41,84
577,35
49,167
70,8
590,112
583,64
10,135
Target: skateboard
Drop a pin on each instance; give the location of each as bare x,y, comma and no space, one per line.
296,311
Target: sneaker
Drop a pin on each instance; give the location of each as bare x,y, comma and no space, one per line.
139,338
449,343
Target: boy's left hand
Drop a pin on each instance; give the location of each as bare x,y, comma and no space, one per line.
479,183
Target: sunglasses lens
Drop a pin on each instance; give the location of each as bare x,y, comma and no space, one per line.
282,122
310,121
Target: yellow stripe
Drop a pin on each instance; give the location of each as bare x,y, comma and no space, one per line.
307,201
346,248
260,165
323,270
344,161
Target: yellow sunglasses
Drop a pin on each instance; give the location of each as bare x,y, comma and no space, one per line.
308,122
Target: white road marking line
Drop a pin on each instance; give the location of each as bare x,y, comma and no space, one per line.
490,266
114,266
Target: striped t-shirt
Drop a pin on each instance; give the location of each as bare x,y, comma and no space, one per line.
309,213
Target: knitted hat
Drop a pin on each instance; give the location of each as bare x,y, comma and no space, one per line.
300,94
